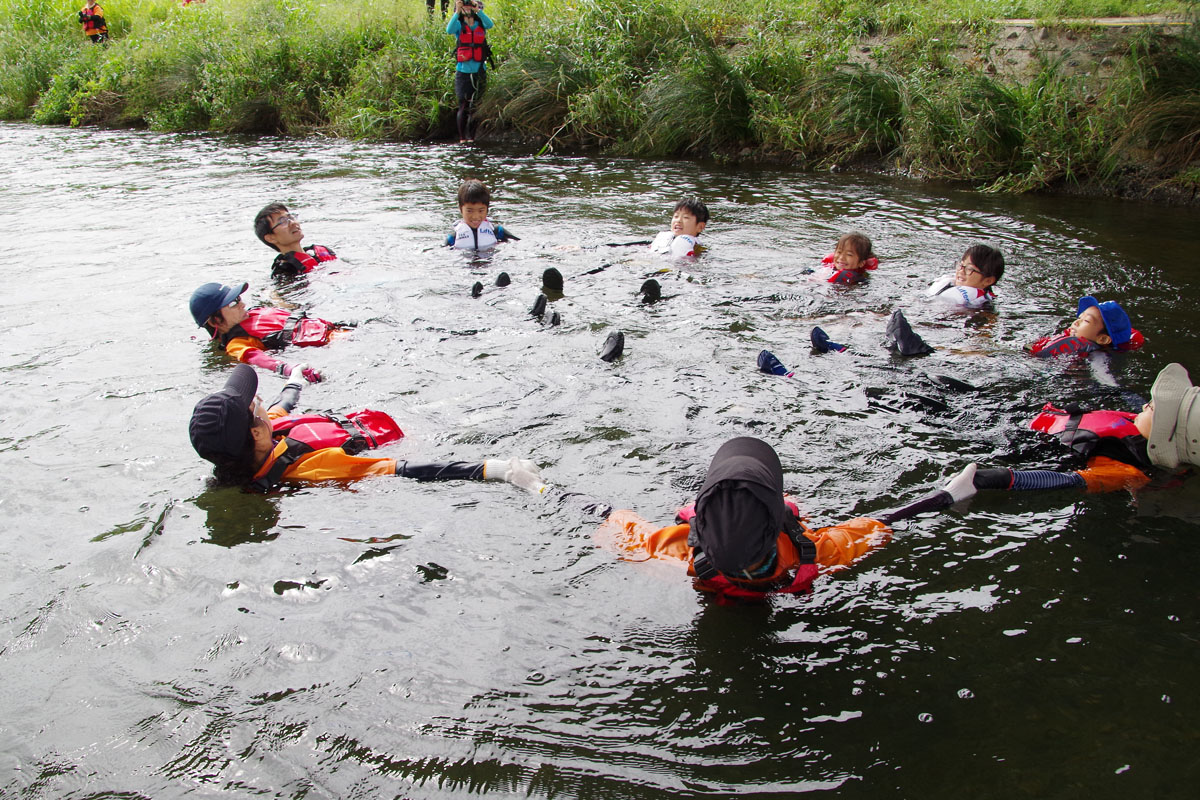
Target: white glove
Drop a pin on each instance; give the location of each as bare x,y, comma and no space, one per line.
519,472
962,485
296,376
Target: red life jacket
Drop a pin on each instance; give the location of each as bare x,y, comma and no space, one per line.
471,42
306,433
276,328
849,275
1095,433
302,262
779,582
1066,344
93,20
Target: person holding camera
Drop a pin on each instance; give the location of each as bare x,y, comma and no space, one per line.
469,26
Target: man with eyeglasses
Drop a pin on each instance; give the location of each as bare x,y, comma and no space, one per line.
246,334
970,285
279,229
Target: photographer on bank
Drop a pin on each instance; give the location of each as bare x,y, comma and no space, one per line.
469,26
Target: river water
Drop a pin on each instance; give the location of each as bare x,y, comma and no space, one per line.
162,637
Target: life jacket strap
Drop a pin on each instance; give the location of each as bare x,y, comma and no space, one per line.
274,476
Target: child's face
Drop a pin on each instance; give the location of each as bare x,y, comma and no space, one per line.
474,213
683,222
967,275
845,258
1145,419
1090,326
286,232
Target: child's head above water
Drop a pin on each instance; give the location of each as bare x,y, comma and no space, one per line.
853,251
474,199
689,217
980,267
1105,323
1171,420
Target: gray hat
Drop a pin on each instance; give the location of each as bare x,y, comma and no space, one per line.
1175,430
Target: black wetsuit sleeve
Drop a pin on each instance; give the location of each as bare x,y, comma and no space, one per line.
289,398
440,470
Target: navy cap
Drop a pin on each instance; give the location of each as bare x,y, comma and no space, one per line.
1116,321
221,421
211,298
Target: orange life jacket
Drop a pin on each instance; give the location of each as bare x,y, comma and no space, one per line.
93,20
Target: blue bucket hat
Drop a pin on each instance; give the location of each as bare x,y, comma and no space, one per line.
211,298
1116,321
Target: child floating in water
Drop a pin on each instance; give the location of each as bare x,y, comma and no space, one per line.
849,262
743,540
475,231
279,229
688,219
247,334
1099,326
260,448
1124,450
970,286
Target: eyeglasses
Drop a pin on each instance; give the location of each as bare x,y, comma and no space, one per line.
967,269
286,219
233,302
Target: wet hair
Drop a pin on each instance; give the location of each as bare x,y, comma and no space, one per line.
858,242
262,222
988,260
473,191
693,206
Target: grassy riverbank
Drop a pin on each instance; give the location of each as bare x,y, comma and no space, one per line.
903,85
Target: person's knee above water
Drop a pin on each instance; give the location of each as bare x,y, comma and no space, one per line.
475,231
970,285
278,228
1123,449
469,26
260,448
246,334
851,259
742,539
1098,326
688,219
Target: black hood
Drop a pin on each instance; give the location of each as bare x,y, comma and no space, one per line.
740,509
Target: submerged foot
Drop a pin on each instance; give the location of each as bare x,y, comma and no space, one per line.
651,291
503,280
614,346
768,363
539,306
903,338
552,279
477,289
821,343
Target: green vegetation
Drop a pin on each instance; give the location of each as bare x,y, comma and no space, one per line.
917,85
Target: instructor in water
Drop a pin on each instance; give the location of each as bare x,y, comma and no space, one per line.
469,26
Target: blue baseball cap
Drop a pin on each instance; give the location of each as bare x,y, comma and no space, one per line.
1116,321
211,298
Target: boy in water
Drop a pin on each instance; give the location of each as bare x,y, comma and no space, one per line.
246,334
279,229
475,231
743,540
260,448
1124,450
688,219
849,262
1099,326
970,286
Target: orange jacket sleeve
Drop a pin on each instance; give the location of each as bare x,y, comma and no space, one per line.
329,464
1104,474
837,545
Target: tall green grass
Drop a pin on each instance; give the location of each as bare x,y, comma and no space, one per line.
704,78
